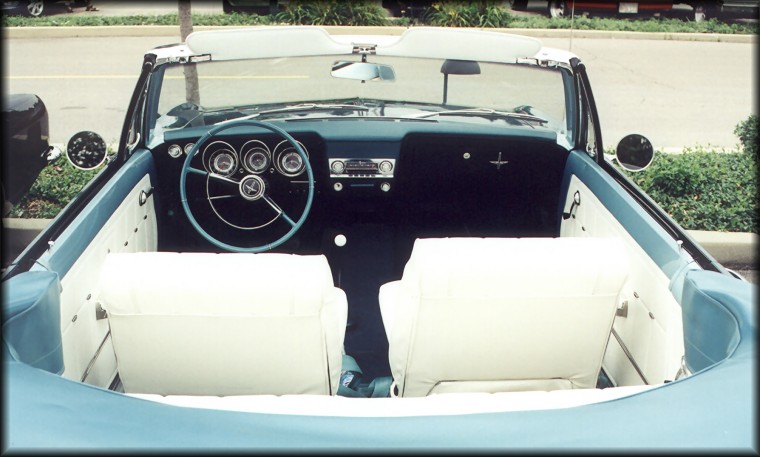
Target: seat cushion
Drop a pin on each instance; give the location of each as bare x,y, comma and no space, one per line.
224,324
502,314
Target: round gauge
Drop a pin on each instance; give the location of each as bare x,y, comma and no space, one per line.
256,161
291,163
175,151
223,163
189,147
288,161
256,156
220,158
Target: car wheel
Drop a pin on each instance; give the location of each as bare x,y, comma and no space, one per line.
557,8
35,8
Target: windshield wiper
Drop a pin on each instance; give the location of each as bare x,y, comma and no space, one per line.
482,112
315,107
302,108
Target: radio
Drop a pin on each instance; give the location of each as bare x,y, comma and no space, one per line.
362,168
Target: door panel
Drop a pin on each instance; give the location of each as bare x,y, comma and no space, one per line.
647,341
121,218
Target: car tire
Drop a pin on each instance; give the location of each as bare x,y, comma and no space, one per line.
557,8
35,8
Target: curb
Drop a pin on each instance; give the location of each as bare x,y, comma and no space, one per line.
173,30
732,249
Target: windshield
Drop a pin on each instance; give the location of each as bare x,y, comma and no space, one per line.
304,87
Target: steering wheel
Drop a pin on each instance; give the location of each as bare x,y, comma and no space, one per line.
251,188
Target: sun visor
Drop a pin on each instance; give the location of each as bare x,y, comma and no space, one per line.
461,44
265,42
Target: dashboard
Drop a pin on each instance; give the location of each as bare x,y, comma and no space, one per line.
424,179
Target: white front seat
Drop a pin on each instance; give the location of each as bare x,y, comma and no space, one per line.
224,324
502,314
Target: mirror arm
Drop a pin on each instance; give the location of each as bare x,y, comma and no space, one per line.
445,87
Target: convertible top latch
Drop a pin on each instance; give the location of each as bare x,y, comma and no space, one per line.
364,49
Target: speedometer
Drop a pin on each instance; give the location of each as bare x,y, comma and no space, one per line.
256,156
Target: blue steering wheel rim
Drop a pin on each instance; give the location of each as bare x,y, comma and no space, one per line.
186,167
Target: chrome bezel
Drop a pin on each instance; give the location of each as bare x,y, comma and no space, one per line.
281,150
252,148
174,150
213,150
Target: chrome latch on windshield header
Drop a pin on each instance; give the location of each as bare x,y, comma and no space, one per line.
189,59
364,49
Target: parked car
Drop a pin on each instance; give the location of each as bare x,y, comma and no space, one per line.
26,150
736,8
700,9
38,8
562,8
371,243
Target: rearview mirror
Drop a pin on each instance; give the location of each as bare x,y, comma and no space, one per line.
457,67
634,152
86,150
363,71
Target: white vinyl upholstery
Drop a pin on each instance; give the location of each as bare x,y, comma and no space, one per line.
224,324
502,314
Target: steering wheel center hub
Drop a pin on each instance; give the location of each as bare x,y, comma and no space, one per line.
252,187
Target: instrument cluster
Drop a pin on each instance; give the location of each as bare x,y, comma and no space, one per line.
253,157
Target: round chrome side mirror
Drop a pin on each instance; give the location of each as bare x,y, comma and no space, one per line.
86,150
634,152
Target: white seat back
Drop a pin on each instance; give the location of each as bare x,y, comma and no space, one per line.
224,324
502,314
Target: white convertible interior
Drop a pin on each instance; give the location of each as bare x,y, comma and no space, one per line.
532,319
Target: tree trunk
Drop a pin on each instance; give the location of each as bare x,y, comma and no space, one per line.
192,94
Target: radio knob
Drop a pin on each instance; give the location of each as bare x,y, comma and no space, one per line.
385,167
337,167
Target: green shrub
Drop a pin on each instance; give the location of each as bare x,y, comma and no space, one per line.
55,187
747,130
333,12
704,190
664,25
468,14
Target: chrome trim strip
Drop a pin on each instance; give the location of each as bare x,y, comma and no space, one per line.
95,357
630,356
